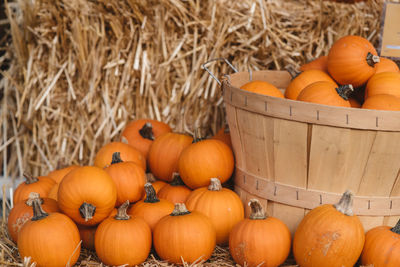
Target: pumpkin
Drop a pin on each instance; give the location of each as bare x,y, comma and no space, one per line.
204,159
128,177
53,192
141,133
326,93
259,240
320,63
303,80
383,83
87,236
123,240
224,135
382,247
352,60
50,239
164,153
354,103
184,236
382,102
22,212
262,87
329,235
152,209
40,185
221,205
176,191
87,195
58,175
157,184
386,65
127,152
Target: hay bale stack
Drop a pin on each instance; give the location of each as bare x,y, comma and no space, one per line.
80,70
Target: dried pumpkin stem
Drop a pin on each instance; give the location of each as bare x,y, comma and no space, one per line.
29,179
87,211
116,158
180,209
151,196
150,177
176,180
33,196
372,59
121,213
257,211
197,136
147,131
345,204
345,91
293,73
396,228
38,212
215,184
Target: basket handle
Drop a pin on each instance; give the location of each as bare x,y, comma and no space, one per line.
217,59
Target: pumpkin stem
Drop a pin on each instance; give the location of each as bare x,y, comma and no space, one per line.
197,137
121,213
345,204
29,179
176,180
151,196
38,212
292,71
180,209
345,91
87,211
257,211
396,228
33,196
150,177
215,184
147,131
116,158
372,59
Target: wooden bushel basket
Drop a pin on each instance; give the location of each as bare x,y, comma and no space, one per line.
294,156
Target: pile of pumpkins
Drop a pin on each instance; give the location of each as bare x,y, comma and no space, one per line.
351,75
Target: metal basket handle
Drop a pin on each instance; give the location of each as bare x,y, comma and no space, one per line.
217,59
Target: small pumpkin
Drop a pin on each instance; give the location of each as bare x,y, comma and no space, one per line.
382,102
386,65
184,236
352,60
58,174
262,87
22,212
259,240
141,133
40,185
176,191
383,83
329,235
164,153
87,195
127,152
224,135
129,178
326,93
382,247
221,205
123,240
50,239
87,236
320,63
152,209
53,192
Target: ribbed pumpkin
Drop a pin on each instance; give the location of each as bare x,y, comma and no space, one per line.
50,239
320,63
326,93
129,178
127,152
221,205
87,236
262,87
382,247
152,209
259,240
58,175
123,239
205,159
184,236
87,195
351,60
386,65
164,153
329,235
224,135
383,83
303,80
23,212
40,185
382,102
176,191
141,133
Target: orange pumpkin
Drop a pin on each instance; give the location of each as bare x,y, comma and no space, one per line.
386,65
123,240
303,80
58,175
87,236
50,239
40,185
141,133
22,212
259,240
262,87
352,60
87,195
184,236
221,205
164,153
329,235
383,83
382,102
53,192
326,93
224,135
176,191
127,152
321,63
